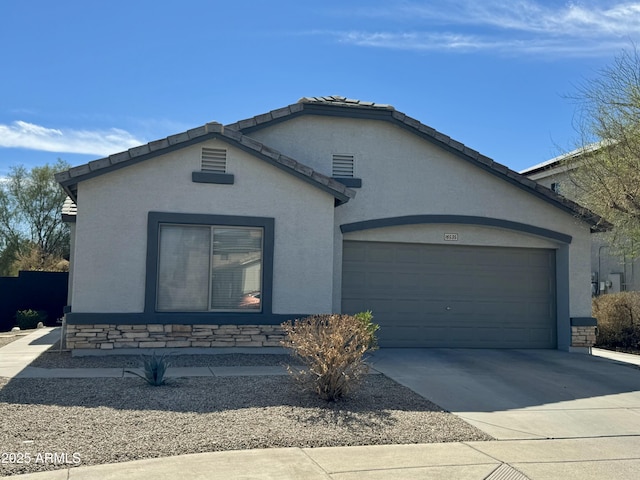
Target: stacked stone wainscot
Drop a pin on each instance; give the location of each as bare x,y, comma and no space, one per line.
583,332
583,336
113,336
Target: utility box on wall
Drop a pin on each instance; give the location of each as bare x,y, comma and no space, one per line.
615,282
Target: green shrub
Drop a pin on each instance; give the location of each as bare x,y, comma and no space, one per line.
618,317
332,349
154,368
28,319
367,319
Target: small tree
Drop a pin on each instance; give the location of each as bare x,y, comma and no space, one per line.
36,260
332,348
606,172
31,219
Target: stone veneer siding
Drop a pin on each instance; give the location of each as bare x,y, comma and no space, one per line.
583,336
110,336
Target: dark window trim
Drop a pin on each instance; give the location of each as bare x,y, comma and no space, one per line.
187,318
153,230
350,182
461,219
213,177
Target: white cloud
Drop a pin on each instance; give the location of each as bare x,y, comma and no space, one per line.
457,42
26,135
504,25
572,19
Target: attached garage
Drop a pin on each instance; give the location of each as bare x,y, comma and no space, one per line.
427,295
353,206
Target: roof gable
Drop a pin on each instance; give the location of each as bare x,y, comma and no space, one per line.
339,106
69,179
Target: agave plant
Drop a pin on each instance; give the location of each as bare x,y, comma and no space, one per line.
154,368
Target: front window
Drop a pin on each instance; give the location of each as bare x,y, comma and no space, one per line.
209,268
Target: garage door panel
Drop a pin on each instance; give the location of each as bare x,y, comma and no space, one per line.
443,296
407,255
351,252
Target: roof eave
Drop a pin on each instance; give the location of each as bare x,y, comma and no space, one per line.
310,107
69,179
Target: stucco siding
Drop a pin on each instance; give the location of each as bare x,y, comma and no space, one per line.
403,174
467,235
111,228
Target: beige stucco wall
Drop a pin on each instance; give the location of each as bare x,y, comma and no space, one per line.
111,228
403,174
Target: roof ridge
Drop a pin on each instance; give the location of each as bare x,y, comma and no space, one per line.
234,133
344,101
387,112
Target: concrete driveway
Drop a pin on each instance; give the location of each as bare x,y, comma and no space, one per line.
523,394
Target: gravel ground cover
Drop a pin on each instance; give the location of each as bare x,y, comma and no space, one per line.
7,338
55,359
121,419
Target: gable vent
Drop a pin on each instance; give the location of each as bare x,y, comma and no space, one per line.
342,166
214,160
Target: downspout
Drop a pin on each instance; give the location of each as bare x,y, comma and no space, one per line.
600,267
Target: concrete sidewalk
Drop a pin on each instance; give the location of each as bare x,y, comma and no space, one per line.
15,356
616,356
585,459
616,456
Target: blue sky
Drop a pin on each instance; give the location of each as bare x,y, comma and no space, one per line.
80,80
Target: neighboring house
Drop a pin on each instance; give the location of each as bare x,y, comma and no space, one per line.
610,273
214,236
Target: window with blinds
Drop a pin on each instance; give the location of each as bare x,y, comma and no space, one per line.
343,166
214,160
209,268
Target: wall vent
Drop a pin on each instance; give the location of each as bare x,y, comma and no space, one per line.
342,166
214,160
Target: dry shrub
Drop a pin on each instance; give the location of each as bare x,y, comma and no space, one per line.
332,349
36,260
618,317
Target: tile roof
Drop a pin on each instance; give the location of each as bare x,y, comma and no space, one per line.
70,178
344,102
334,105
344,107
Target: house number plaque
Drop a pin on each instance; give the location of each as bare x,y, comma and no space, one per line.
450,237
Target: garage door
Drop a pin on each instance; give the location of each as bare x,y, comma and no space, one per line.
453,296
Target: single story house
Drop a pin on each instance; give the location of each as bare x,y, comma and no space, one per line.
214,236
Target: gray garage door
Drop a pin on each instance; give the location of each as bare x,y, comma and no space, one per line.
453,296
